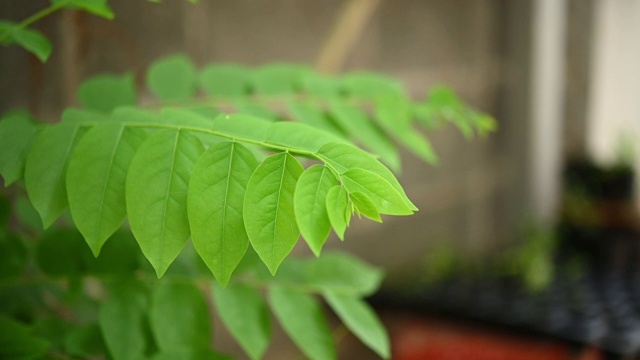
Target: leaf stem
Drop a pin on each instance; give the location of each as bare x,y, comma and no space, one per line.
40,14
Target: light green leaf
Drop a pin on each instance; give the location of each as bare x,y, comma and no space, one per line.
241,127
310,114
371,85
358,124
268,208
344,274
32,41
278,79
96,7
320,85
395,115
74,116
386,199
156,194
344,157
179,316
299,136
303,320
244,313
172,78
245,106
214,202
338,209
104,93
309,201
17,133
96,180
122,320
46,167
134,115
358,316
225,80
365,206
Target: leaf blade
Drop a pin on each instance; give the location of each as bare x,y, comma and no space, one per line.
172,78
386,199
269,210
104,93
218,229
156,194
17,134
310,205
338,209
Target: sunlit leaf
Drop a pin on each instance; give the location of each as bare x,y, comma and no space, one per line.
156,194
386,199
310,200
268,208
338,209
215,199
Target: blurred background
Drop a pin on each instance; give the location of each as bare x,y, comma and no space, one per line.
556,182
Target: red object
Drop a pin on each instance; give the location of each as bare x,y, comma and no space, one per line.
438,340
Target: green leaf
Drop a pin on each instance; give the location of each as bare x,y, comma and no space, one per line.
299,136
85,341
191,354
172,78
134,115
179,316
95,7
365,206
371,85
73,116
386,199
214,202
122,320
278,79
156,194
320,85
244,313
18,342
344,157
242,127
13,255
17,133
104,93
338,209
31,40
120,255
45,170
225,80
310,199
252,108
60,252
362,128
268,208
96,180
395,115
303,320
344,274
358,316
310,114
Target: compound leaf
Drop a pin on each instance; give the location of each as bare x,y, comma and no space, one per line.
245,314
214,203
156,194
172,78
358,316
303,320
309,201
17,133
45,170
179,316
269,209
386,199
96,180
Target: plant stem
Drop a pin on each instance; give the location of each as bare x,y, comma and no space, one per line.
40,14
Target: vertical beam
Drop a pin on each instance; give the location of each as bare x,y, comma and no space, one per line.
549,28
